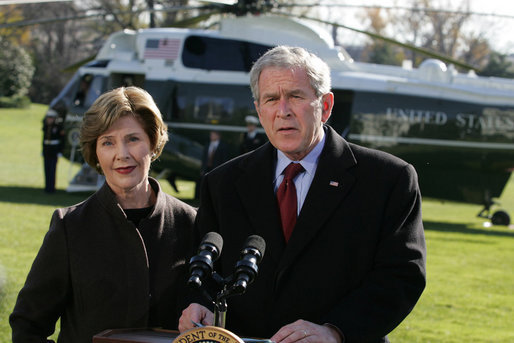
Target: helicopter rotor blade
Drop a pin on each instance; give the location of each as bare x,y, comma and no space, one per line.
23,22
189,22
408,46
222,2
75,66
237,8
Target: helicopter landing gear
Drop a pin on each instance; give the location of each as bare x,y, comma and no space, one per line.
499,217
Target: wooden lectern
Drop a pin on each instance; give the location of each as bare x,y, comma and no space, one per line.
136,336
211,334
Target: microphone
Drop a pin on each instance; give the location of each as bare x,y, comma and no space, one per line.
202,264
246,267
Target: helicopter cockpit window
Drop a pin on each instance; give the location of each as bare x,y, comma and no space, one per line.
94,90
221,54
209,108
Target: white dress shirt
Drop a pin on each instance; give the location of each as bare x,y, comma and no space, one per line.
303,180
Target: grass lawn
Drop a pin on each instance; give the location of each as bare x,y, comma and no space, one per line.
470,291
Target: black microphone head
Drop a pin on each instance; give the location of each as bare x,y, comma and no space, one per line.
256,242
246,267
215,239
201,265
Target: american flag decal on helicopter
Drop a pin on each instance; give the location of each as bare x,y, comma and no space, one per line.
167,49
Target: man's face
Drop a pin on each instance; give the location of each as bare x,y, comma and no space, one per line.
214,136
290,112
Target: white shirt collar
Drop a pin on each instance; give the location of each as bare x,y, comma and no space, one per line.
309,162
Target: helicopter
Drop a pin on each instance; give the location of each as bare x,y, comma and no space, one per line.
456,129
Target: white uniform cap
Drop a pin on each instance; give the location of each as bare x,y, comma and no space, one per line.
251,120
51,113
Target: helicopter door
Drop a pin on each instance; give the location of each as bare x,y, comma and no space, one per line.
90,88
342,111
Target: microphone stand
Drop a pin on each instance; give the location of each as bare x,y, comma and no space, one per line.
220,311
235,284
220,304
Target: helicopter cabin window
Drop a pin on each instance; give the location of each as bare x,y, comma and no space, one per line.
213,109
221,54
126,80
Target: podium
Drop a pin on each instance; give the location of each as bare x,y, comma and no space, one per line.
211,334
136,336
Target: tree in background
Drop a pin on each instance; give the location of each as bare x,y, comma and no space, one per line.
422,26
427,26
169,19
478,51
380,52
117,15
16,70
498,66
444,33
55,45
16,65
17,35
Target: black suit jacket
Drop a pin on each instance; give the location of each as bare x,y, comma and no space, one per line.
221,154
356,258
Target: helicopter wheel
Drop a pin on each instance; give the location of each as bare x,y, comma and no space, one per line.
500,218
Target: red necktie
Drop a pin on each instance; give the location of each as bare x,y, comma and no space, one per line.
286,195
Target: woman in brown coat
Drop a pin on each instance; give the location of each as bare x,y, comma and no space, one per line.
118,259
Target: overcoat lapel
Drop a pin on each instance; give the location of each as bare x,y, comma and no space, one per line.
330,185
255,189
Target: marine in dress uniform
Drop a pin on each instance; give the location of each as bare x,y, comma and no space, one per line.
53,139
251,138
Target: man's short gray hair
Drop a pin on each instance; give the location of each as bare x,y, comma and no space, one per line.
289,57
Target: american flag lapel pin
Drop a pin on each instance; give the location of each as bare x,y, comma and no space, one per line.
334,183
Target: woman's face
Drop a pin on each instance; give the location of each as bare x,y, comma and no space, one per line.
125,155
